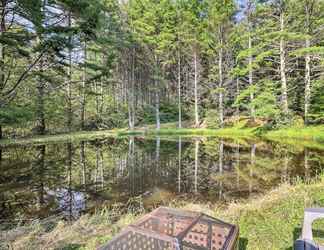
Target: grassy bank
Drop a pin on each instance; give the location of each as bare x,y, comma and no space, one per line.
226,132
313,135
272,221
71,137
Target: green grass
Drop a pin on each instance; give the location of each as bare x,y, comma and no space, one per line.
275,221
230,132
272,221
312,136
314,133
169,129
71,137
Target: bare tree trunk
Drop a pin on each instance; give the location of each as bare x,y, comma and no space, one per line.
157,99
221,166
83,163
157,107
97,99
69,81
251,74
97,165
196,89
196,164
307,84
284,95
69,167
102,178
102,99
307,69
220,75
237,94
179,91
83,89
131,91
157,150
130,120
40,113
133,88
2,50
129,99
40,165
179,163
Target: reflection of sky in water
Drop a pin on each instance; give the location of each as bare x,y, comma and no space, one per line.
71,203
41,181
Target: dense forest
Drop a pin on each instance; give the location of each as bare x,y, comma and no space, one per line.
69,65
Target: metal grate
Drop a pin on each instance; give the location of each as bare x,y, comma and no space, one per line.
172,229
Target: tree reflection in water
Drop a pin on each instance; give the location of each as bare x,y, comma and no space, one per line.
75,178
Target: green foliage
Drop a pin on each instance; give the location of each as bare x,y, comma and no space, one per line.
168,113
317,102
124,52
264,102
212,118
15,115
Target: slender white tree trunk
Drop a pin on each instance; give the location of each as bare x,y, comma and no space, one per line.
69,81
83,163
157,96
83,89
252,111
220,85
40,87
179,90
307,70
307,83
284,95
2,51
179,164
221,166
237,94
133,87
102,177
40,103
196,164
157,106
157,159
196,88
129,99
131,93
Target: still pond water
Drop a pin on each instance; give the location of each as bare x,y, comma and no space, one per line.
71,179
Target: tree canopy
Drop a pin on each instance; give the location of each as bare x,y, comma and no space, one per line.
75,64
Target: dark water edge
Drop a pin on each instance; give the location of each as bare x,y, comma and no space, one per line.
71,179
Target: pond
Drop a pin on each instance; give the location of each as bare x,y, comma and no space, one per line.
70,179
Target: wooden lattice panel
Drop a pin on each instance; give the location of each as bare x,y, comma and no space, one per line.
170,229
219,237
134,240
